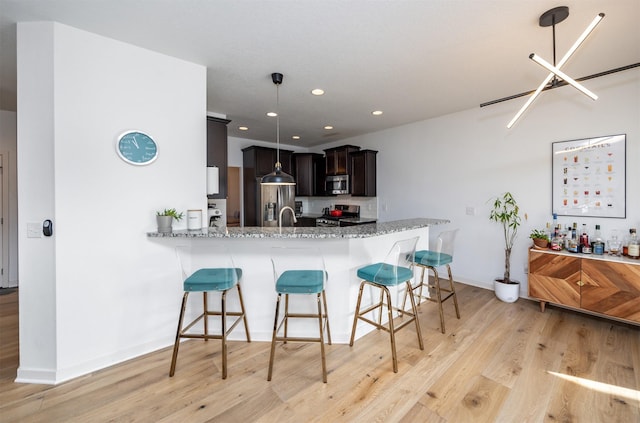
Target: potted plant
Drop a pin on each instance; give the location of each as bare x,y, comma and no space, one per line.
506,212
165,219
540,238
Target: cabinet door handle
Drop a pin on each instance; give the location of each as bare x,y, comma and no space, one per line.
580,283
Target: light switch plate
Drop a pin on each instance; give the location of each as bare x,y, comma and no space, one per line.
34,230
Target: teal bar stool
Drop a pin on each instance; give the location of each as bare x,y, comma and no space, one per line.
214,272
395,270
441,255
299,271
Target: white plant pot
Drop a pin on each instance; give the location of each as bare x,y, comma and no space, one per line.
507,292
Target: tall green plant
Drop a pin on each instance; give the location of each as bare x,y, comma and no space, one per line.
506,212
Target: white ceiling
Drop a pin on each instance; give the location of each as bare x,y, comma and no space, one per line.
412,59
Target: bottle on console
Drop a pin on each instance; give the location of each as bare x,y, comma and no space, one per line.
625,244
597,243
585,247
633,246
572,240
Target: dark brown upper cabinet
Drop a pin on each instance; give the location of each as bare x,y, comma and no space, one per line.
363,173
337,158
217,151
309,172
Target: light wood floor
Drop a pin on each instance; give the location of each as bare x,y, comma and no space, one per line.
499,363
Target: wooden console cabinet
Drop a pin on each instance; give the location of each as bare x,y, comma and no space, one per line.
602,285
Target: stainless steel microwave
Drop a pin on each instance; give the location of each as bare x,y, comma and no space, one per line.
337,184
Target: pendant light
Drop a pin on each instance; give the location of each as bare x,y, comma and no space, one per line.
277,177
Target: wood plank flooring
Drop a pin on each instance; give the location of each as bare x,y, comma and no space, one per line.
499,363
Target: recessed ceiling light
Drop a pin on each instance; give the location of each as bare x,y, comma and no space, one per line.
243,128
296,137
272,114
317,91
376,112
328,127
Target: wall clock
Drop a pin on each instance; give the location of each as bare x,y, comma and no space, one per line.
137,148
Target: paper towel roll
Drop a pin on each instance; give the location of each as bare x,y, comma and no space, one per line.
213,182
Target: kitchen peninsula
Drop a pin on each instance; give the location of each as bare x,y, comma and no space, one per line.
345,249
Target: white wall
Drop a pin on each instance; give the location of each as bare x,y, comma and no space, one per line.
85,298
10,214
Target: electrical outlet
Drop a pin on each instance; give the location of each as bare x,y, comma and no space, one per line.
34,230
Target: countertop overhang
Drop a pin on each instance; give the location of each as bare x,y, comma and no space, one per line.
359,231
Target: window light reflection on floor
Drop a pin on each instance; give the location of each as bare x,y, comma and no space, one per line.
618,391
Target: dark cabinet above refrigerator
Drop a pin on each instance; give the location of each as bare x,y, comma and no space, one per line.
256,162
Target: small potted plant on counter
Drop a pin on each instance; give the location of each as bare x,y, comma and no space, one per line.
540,238
506,212
165,219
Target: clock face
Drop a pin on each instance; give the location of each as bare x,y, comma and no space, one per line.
137,148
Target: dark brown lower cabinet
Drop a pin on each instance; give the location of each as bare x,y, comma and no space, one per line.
608,287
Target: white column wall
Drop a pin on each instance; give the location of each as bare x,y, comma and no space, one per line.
96,292
36,257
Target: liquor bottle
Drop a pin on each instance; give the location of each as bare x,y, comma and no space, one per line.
597,245
625,245
634,245
572,242
556,241
585,247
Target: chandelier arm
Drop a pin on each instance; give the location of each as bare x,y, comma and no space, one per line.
531,99
580,39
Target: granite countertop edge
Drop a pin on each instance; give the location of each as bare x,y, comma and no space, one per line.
358,231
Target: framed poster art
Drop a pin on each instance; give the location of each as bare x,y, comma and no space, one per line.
589,177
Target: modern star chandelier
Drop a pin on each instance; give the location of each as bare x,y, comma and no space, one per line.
556,77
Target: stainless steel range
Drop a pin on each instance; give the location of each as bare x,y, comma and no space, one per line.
350,216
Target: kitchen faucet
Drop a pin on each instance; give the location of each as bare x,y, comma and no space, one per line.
293,213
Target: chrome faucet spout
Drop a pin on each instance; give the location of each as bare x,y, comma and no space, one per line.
293,213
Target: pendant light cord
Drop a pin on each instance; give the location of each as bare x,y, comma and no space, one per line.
278,164
553,30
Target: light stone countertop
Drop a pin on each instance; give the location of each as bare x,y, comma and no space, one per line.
358,231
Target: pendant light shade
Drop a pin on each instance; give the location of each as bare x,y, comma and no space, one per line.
278,176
